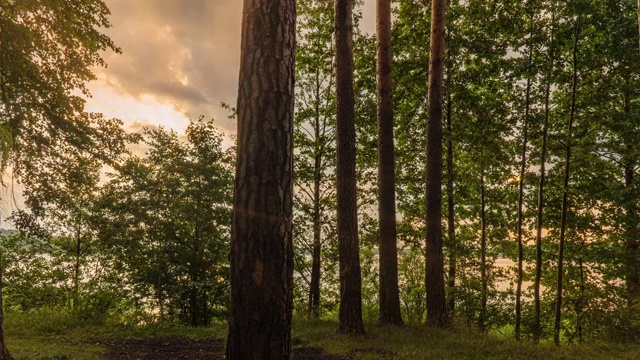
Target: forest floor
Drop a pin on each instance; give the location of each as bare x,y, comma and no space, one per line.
56,337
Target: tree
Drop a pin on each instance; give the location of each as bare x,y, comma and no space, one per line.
47,50
314,131
388,254
350,313
565,186
436,305
261,245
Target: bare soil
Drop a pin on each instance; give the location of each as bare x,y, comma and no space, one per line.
165,348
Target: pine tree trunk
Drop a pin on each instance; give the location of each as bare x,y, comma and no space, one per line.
349,252
261,247
451,225
436,304
565,188
389,293
537,325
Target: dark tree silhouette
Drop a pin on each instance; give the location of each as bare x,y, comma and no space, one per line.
436,303
389,293
348,247
261,247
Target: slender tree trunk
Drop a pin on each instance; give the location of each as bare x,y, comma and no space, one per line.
580,302
195,269
451,225
4,351
537,325
632,278
631,223
389,293
261,247
638,9
565,187
348,247
76,270
314,288
483,253
523,167
436,304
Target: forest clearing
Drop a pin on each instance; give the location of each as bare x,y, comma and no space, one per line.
319,179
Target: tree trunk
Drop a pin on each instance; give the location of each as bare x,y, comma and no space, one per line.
632,233
389,293
565,188
451,225
537,325
314,288
638,22
436,304
4,351
523,167
348,247
482,319
76,270
261,248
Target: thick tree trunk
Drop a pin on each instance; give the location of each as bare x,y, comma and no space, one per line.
436,304
523,167
389,293
482,319
537,325
261,247
565,188
451,225
348,247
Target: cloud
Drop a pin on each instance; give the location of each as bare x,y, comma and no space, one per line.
183,53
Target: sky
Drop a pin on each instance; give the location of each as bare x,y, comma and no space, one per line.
180,60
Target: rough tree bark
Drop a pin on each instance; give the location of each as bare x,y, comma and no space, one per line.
565,186
389,293
350,313
261,248
436,304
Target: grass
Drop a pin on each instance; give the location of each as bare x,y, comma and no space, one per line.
51,337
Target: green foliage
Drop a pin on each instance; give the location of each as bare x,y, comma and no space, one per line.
166,217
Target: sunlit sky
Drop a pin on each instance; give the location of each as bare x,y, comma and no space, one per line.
179,61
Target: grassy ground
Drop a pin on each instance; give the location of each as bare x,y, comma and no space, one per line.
57,338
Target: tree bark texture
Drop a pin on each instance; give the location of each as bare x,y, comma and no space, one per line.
350,314
565,187
261,246
389,293
436,304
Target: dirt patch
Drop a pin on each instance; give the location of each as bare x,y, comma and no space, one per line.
165,348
